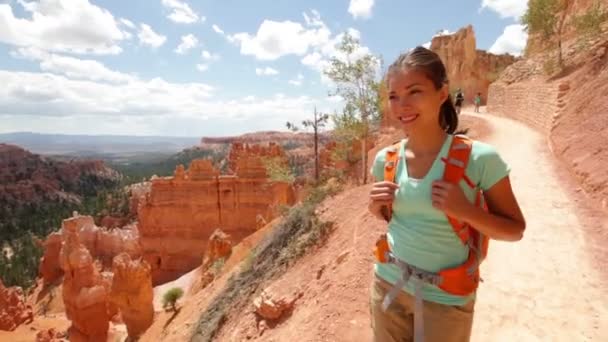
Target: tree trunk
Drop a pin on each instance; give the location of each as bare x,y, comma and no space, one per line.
316,155
559,52
316,130
364,151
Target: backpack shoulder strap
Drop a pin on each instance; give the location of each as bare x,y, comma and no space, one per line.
391,161
455,167
457,159
390,170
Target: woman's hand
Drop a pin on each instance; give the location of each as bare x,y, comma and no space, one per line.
450,199
382,194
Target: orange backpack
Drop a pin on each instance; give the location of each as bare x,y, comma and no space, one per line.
463,279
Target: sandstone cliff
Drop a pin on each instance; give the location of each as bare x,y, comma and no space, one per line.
470,69
180,213
240,150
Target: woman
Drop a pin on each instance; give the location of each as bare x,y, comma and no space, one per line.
419,232
477,101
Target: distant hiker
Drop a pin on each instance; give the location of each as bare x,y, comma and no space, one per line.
430,187
477,102
459,100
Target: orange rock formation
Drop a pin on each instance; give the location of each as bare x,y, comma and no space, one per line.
101,243
13,310
132,293
84,293
468,68
240,150
180,213
49,268
219,247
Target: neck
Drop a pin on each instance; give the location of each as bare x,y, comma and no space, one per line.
426,142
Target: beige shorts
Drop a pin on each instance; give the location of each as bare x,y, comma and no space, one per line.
442,323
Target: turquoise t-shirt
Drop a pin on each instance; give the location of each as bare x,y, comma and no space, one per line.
421,235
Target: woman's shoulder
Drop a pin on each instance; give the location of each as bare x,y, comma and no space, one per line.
486,164
483,150
381,154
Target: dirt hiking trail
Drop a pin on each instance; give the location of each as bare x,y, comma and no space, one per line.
547,287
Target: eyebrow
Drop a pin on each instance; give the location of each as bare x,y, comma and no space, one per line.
412,85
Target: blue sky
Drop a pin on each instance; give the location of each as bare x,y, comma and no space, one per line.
194,68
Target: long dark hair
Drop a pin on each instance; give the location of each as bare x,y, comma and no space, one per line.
430,64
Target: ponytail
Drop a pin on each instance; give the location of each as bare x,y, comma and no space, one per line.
448,118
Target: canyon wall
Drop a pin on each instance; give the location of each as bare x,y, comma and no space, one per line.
470,69
567,103
570,9
180,213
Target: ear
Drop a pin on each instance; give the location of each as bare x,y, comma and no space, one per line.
444,93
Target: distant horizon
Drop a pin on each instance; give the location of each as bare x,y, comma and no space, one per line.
150,136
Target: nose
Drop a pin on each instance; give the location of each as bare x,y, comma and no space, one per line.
404,102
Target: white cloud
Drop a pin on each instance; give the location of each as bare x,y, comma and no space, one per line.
27,93
127,23
208,56
276,39
217,29
74,26
50,103
268,71
72,67
361,8
188,42
315,61
442,32
181,12
313,41
512,40
147,36
297,81
506,8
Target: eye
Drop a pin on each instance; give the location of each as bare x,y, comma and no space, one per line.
415,91
392,97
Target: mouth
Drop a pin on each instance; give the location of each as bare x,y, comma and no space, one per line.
406,119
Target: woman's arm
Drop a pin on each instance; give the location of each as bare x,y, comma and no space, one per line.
503,220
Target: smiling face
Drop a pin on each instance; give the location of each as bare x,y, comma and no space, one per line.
414,100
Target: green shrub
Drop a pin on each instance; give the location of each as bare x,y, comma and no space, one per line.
171,297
